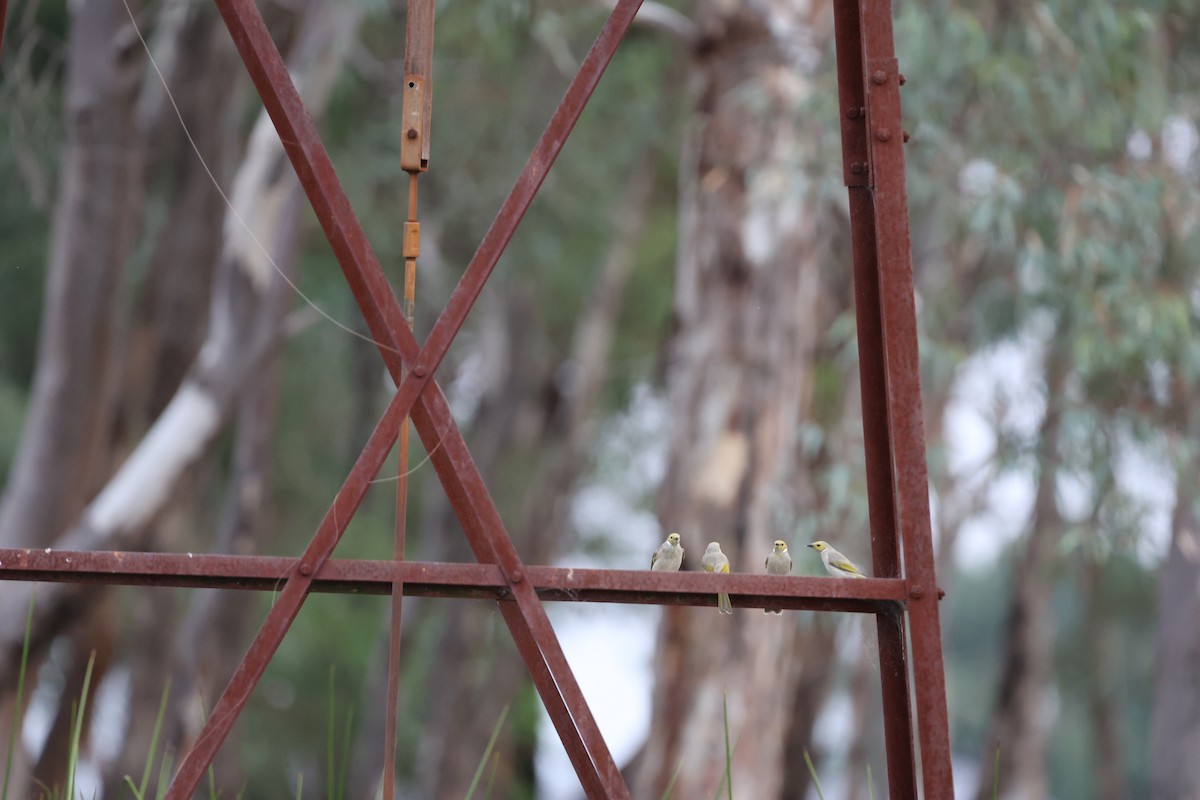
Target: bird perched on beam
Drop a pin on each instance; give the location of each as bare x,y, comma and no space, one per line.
836,564
715,561
779,562
668,556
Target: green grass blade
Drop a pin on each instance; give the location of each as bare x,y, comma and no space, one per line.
345,764
330,726
674,777
492,776
164,775
728,751
487,751
139,791
813,772
870,783
213,794
300,786
77,715
18,708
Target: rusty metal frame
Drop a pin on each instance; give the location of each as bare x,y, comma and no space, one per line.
873,139
904,600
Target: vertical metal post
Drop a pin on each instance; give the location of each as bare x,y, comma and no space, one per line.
414,158
885,142
885,555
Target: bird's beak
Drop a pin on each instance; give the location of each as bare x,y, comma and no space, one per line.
808,545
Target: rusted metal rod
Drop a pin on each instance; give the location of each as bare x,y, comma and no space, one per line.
905,415
437,579
534,636
885,540
531,629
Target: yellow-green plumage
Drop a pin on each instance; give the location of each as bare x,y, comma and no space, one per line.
715,561
835,563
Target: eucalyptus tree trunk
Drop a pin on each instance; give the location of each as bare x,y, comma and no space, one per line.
64,454
749,312
66,450
1103,710
1020,723
154,415
1175,723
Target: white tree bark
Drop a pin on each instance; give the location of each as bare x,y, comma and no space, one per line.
239,337
750,312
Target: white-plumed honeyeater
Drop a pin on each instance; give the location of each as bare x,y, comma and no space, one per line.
668,556
715,561
836,564
779,562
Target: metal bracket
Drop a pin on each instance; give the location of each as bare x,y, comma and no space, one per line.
884,124
412,142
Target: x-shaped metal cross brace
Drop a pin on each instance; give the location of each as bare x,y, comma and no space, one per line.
419,395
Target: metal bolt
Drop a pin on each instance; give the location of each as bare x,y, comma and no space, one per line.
903,80
879,76
419,370
941,593
411,133
916,592
305,568
517,576
853,112
906,137
883,134
856,168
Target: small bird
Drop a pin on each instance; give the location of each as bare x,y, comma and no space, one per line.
668,556
779,562
836,564
715,561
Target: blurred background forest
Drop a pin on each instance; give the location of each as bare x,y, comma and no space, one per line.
668,344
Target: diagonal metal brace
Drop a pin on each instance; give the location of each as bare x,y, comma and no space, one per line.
528,622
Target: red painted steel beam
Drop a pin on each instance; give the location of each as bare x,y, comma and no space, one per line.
885,545
885,137
436,579
531,629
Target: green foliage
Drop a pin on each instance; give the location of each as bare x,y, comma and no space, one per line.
1035,219
973,624
336,764
139,791
19,704
727,777
487,751
78,716
297,696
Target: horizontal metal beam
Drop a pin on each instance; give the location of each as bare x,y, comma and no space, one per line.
435,579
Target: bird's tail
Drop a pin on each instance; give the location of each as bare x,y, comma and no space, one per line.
724,606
